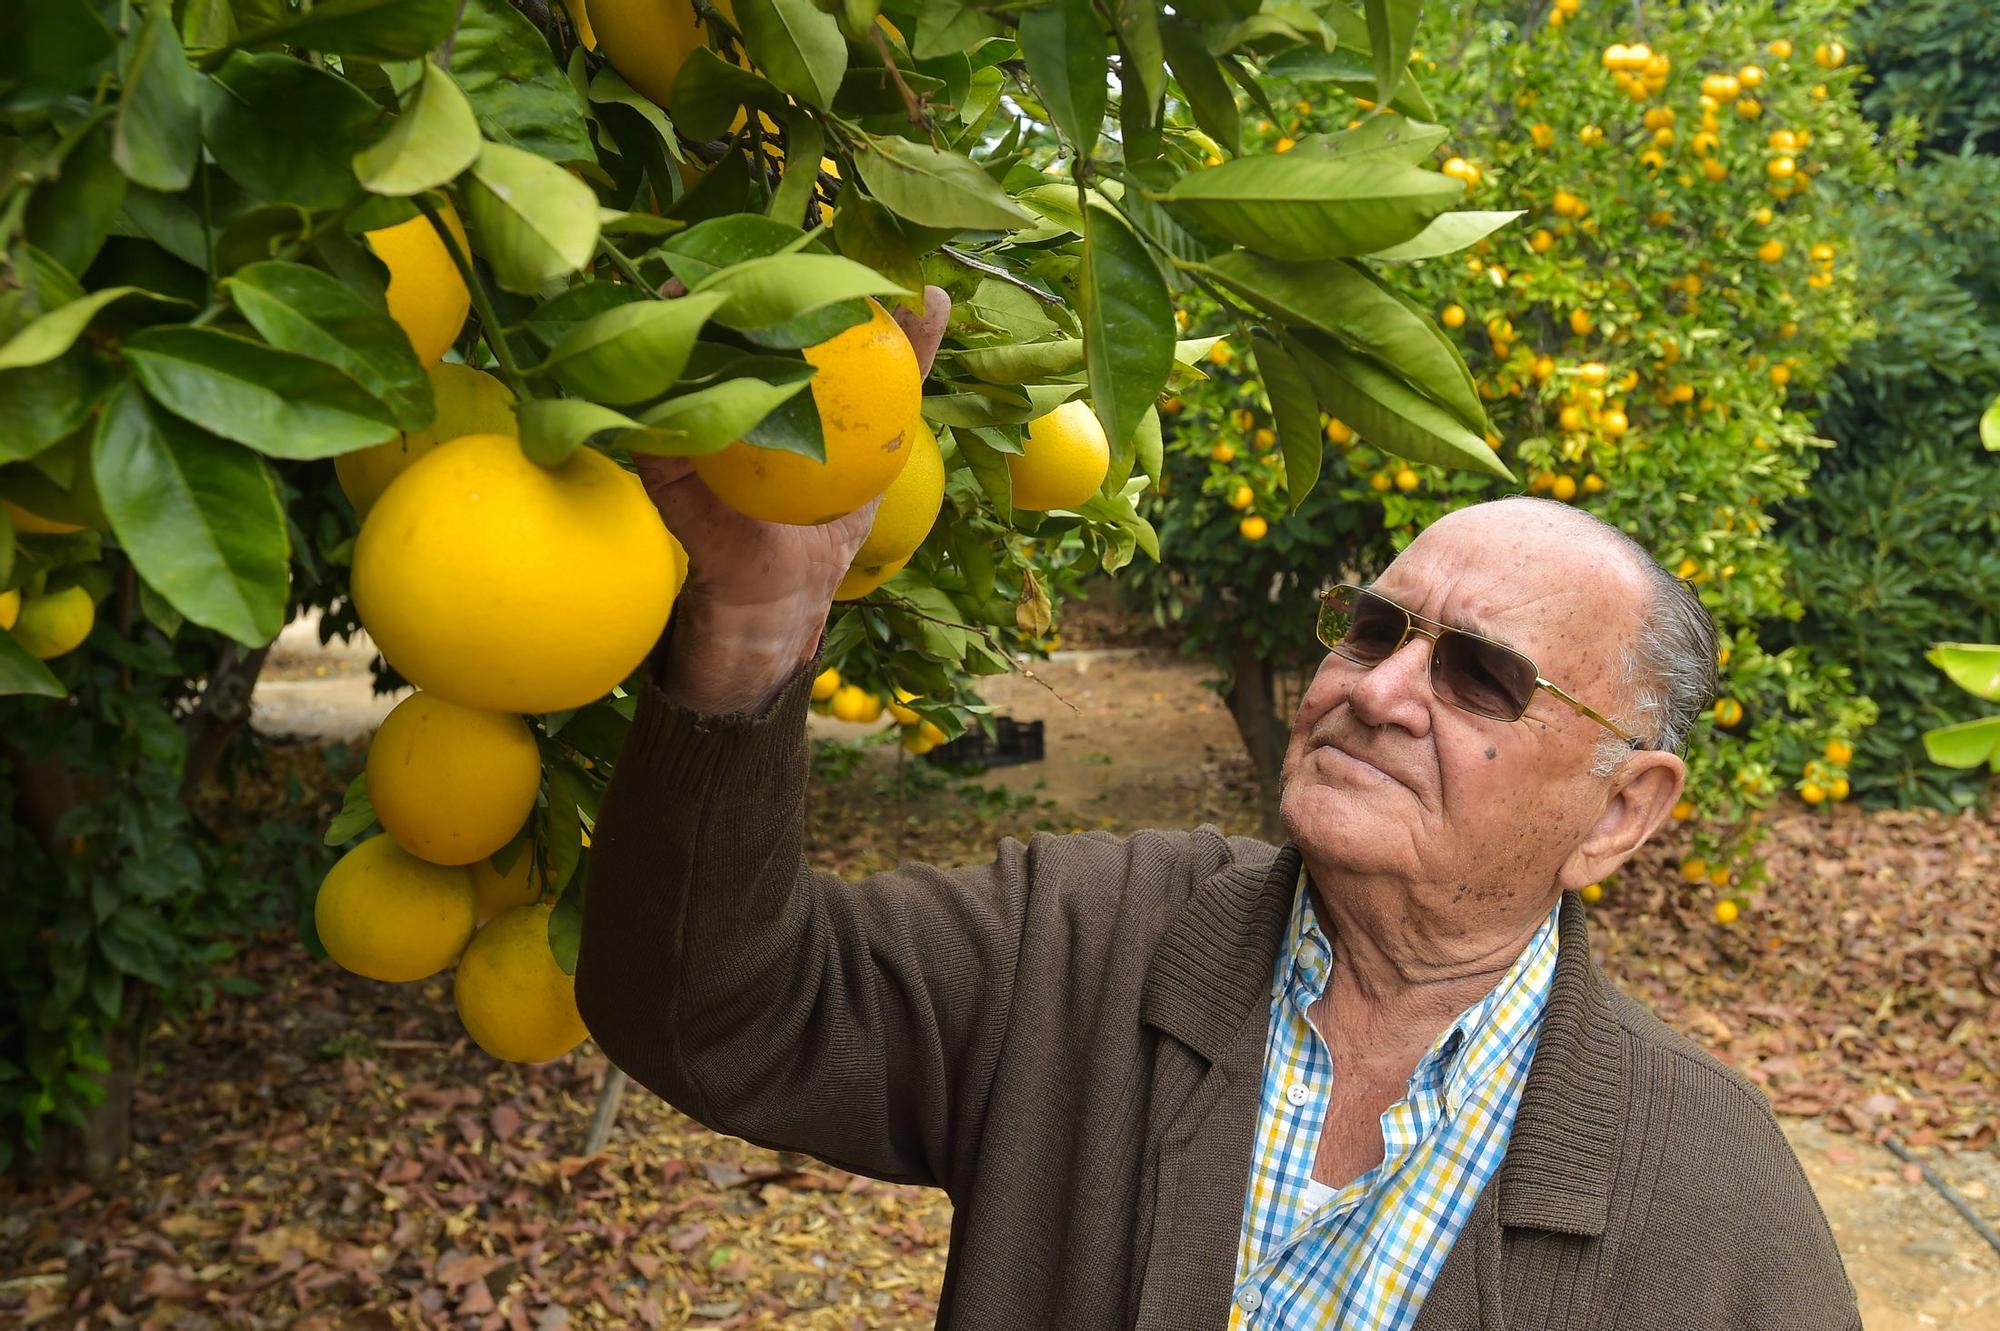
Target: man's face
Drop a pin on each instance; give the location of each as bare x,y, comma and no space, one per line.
1473,818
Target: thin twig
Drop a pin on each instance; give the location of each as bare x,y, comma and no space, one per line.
913,105
623,263
1945,1190
489,322
994,270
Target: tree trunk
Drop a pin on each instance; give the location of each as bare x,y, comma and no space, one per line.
1252,699
221,714
93,1151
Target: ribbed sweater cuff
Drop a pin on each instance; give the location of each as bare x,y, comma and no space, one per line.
674,748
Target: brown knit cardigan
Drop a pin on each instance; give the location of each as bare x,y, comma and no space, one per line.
1069,1041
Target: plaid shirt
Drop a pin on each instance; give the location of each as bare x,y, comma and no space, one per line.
1365,1256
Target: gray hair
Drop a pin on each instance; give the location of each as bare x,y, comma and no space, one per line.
1666,672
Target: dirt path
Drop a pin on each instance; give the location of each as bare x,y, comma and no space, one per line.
1136,739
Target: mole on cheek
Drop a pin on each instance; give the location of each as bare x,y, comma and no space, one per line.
1491,754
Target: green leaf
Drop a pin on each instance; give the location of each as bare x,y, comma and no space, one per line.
57,331
367,29
302,309
633,352
552,320
935,188
260,234
1293,207
805,144
44,405
708,90
798,47
1144,57
607,89
430,143
985,451
1974,667
717,416
1989,427
50,48
1148,448
501,60
1388,412
1128,323
70,216
1447,234
554,428
1203,85
200,518
1345,299
869,234
1062,42
535,221
762,293
21,673
1021,362
287,131
1297,413
1967,744
1392,26
356,814
1380,135
282,404
1350,68
156,139
706,248
566,927
946,27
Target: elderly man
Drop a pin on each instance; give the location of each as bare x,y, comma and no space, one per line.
1371,1078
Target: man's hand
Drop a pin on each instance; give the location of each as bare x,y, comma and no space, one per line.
758,593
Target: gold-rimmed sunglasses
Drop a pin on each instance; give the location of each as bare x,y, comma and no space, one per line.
1471,672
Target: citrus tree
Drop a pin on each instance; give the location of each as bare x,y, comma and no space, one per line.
371,305
1651,337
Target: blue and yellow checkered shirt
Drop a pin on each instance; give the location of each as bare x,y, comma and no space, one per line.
1365,1256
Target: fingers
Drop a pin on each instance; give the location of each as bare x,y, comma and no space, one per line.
925,330
658,474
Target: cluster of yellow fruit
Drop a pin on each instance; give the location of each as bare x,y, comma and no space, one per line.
1563,11
1827,780
831,696
1640,72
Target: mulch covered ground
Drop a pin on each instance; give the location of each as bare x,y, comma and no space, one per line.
332,1153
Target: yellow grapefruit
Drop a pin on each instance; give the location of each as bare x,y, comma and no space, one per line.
647,41
493,891
34,523
56,624
10,608
515,1001
1063,459
866,391
504,585
910,505
426,295
468,401
385,914
452,784
579,16
861,579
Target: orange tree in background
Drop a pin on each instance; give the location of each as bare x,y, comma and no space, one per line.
1651,336
369,307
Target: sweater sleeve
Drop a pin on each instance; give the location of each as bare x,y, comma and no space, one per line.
859,1022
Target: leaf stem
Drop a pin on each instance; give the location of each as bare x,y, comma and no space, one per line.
489,322
623,263
912,104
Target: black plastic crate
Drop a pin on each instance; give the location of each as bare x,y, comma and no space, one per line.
1013,742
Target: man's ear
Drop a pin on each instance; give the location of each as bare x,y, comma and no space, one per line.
1640,798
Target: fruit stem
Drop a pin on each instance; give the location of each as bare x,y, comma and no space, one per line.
489,322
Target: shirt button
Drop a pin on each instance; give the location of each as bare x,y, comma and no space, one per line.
1249,1300
1297,1093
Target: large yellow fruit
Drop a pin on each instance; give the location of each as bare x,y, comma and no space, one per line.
861,579
468,401
1063,459
581,17
647,41
452,784
494,891
866,391
909,506
52,625
35,523
515,1001
10,608
501,584
385,914
426,295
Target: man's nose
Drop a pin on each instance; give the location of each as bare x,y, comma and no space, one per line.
1405,674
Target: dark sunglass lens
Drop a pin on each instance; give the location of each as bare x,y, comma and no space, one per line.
1374,628
1484,677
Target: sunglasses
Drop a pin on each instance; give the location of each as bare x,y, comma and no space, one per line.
1472,673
